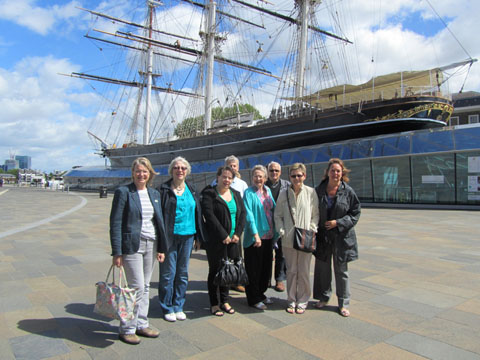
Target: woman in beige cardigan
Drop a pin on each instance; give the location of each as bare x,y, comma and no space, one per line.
304,209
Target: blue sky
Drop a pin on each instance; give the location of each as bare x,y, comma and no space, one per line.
46,116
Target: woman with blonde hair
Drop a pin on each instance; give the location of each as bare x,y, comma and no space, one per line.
339,212
296,207
137,236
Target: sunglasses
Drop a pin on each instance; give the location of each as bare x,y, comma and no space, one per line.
296,176
274,170
183,168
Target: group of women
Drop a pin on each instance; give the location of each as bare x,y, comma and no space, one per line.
166,224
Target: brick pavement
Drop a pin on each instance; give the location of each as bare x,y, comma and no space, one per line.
415,292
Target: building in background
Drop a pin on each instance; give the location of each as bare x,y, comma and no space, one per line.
11,164
24,162
466,108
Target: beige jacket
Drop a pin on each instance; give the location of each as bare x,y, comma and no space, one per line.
304,210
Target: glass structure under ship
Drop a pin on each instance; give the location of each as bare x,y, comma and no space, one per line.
438,166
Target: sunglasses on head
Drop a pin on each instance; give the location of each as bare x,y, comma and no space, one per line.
296,176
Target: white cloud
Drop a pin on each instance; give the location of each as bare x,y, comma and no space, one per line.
37,116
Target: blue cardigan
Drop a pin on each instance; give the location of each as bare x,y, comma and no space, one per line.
256,221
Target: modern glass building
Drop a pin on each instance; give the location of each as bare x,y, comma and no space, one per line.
425,167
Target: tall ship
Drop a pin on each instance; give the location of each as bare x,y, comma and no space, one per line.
205,80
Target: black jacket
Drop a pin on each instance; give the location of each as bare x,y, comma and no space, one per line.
346,210
126,220
217,217
169,206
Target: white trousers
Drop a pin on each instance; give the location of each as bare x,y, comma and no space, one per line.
138,270
298,277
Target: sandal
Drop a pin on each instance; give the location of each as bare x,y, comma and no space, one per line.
227,308
300,310
320,304
290,309
344,312
215,310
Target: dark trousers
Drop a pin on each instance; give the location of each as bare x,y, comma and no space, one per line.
258,264
215,254
280,265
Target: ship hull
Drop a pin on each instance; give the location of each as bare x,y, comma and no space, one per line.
307,126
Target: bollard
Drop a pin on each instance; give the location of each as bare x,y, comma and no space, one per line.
103,192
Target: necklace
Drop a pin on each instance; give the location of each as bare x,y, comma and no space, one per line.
179,189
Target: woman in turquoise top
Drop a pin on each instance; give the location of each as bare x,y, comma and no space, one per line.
257,241
224,214
183,225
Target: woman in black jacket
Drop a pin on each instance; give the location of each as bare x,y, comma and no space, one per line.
183,225
339,212
224,214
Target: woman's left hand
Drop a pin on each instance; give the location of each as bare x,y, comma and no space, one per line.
258,241
161,257
235,239
329,225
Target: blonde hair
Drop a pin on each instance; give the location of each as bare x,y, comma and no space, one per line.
260,168
179,159
338,161
298,166
145,162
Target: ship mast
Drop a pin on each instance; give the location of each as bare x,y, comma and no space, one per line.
302,50
146,127
210,50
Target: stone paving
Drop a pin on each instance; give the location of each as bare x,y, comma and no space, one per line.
415,292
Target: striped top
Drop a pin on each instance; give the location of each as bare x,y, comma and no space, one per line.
148,230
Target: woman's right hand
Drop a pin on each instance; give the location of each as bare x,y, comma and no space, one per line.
117,260
227,240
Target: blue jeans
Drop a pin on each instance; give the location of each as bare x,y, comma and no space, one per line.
138,270
172,286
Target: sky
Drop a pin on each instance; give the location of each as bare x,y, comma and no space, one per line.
46,116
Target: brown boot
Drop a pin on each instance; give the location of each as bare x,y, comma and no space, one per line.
148,332
280,286
131,339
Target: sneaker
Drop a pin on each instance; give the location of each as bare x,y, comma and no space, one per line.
148,332
170,317
268,301
260,306
180,315
131,339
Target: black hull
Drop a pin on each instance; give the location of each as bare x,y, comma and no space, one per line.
309,127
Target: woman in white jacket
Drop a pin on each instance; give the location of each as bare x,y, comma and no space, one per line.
304,208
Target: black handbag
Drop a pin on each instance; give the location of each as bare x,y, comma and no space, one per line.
231,273
303,239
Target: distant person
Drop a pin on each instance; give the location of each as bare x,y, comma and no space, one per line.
277,185
224,215
258,236
239,185
137,236
304,210
183,224
339,212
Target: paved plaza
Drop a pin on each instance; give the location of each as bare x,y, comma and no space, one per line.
415,292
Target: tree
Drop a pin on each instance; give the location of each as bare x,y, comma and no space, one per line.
189,126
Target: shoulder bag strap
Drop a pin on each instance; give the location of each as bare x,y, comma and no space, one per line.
289,207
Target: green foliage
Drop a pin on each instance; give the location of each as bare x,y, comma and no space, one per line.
189,126
13,172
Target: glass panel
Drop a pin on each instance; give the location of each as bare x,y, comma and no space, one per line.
427,142
468,178
391,180
467,137
433,179
394,145
361,178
